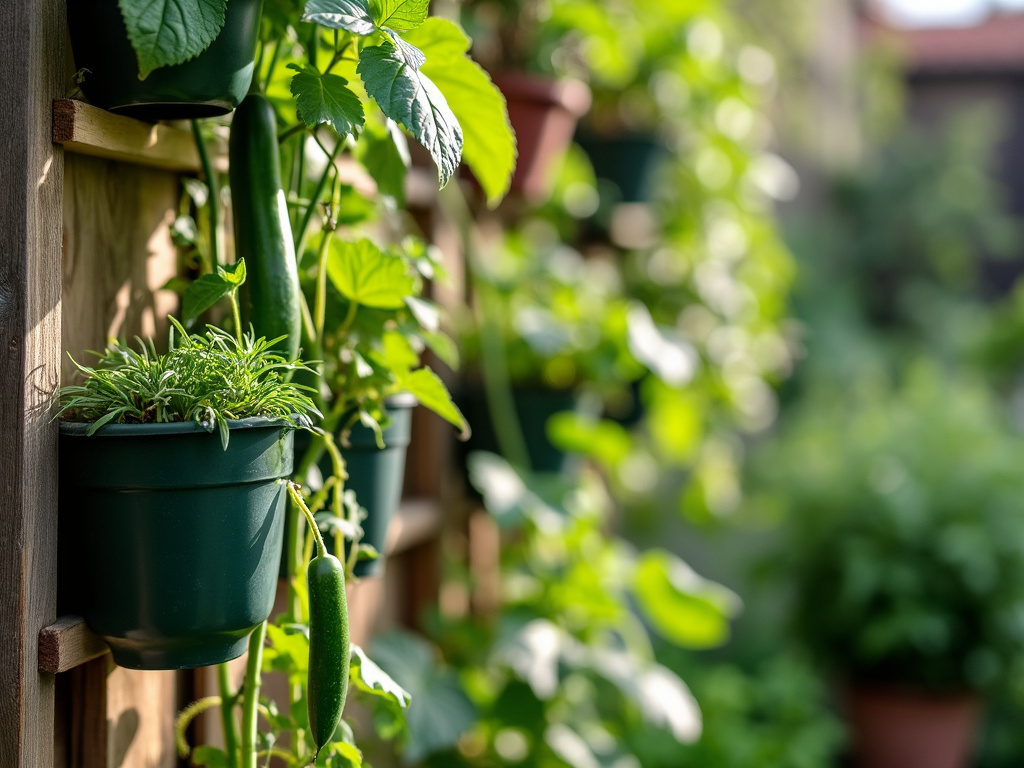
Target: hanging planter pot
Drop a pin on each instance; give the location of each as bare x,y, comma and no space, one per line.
895,728
629,161
211,84
375,475
170,543
543,113
534,407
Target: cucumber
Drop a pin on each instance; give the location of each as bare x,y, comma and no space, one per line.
263,235
327,681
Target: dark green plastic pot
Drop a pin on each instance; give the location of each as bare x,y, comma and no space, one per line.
376,475
630,162
534,406
171,544
211,84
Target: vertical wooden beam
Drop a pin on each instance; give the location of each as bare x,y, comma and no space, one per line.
32,42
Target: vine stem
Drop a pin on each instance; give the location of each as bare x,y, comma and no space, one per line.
293,491
251,694
227,720
213,214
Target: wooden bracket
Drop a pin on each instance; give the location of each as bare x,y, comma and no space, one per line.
68,643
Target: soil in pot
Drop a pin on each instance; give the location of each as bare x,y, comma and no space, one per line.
169,544
894,727
211,84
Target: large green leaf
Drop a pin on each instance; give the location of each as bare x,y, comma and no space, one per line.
363,273
490,147
408,97
165,32
431,392
440,711
326,99
351,15
370,678
401,15
384,152
680,605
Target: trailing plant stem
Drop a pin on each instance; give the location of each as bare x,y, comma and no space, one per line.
213,197
228,699
251,694
293,491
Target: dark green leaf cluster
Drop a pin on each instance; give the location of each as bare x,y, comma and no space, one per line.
209,379
903,521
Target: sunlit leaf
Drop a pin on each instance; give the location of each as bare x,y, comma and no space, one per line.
368,677
400,15
489,145
680,605
166,32
351,15
408,97
326,99
364,273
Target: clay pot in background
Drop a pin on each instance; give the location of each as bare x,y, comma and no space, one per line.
543,113
905,728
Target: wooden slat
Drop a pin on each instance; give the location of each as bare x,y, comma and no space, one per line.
416,521
88,130
32,39
67,643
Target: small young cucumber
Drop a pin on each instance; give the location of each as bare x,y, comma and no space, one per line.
327,683
263,236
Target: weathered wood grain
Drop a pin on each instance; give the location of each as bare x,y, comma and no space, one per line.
88,130
117,254
68,643
31,172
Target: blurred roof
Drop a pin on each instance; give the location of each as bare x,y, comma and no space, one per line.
994,45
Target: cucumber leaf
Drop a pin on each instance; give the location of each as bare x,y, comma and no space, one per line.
363,273
384,153
369,678
351,15
400,15
166,32
411,99
209,289
432,393
326,99
489,143
680,605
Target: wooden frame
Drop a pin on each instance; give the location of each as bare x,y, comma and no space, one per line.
32,40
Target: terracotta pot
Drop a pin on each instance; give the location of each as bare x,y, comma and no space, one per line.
543,113
905,728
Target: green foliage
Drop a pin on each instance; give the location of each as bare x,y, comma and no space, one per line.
777,714
171,31
392,77
904,517
210,288
326,99
377,326
489,147
564,674
208,379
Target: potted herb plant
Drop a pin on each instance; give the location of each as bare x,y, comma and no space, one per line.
172,469
134,59
904,513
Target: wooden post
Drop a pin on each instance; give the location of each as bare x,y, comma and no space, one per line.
32,56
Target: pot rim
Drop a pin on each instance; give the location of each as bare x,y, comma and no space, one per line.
80,428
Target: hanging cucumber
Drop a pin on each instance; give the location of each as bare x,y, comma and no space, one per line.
263,237
327,680
327,684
